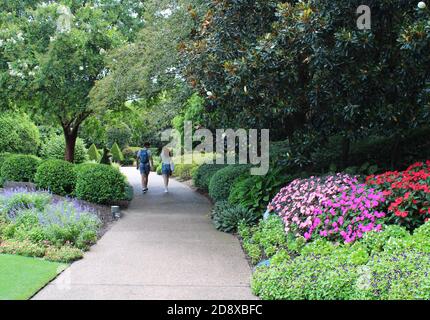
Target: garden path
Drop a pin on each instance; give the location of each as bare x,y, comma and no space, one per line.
164,247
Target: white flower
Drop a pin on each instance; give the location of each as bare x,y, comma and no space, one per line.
209,93
422,5
81,68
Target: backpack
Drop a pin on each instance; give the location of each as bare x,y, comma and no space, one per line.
143,156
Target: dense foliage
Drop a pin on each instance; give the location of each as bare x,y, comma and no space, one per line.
57,176
203,175
18,134
19,168
55,148
292,65
384,265
100,184
226,218
119,134
53,53
254,192
222,181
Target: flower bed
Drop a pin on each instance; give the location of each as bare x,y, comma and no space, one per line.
348,216
407,194
298,203
39,224
345,240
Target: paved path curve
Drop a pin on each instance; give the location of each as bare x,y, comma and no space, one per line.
164,247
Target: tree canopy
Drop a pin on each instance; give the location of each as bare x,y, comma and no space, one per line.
52,54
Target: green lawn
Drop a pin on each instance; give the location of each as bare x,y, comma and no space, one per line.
21,277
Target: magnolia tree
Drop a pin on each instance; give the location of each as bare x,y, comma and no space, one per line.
291,65
52,54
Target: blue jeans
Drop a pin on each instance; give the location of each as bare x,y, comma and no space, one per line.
145,169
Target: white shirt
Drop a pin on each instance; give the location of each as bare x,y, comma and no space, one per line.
165,159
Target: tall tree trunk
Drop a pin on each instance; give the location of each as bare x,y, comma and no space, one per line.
70,136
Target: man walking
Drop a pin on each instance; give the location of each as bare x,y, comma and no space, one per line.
145,164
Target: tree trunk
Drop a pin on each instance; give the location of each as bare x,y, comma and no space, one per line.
70,136
346,144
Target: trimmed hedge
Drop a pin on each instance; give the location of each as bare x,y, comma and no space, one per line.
223,180
117,155
100,183
3,157
57,176
20,168
203,175
93,153
79,168
18,134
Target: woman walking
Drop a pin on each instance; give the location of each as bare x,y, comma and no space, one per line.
167,167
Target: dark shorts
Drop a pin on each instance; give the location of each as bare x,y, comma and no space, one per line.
145,169
166,170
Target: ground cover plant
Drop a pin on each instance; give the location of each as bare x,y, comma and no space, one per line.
324,270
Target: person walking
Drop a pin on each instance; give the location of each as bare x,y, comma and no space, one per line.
167,167
145,164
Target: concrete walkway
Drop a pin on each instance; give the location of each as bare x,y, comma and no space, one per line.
165,247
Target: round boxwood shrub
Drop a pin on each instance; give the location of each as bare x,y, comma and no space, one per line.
223,180
101,184
20,168
79,168
57,176
3,157
55,148
18,134
203,175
